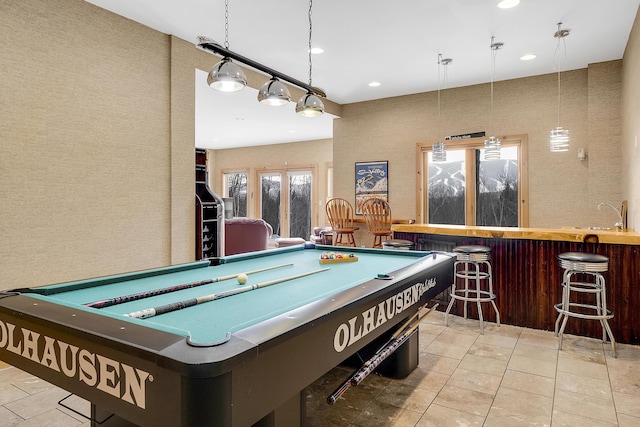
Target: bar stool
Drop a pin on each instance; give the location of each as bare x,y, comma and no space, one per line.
584,266
472,271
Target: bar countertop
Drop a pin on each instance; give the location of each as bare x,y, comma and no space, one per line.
566,234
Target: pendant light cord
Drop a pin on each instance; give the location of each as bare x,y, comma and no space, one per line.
494,52
444,62
560,35
310,33
226,24
439,86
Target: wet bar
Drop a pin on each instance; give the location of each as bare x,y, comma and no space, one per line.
527,276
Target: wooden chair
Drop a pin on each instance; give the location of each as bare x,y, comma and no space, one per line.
340,215
377,214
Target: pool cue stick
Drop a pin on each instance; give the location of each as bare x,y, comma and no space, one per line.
147,294
406,326
150,312
380,356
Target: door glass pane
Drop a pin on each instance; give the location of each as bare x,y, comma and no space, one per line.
447,189
270,187
236,188
497,192
300,204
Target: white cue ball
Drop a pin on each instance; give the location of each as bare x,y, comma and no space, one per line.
242,278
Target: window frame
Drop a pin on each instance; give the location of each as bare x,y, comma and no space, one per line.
225,188
284,208
471,144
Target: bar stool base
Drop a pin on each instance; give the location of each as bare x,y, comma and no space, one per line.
473,269
583,266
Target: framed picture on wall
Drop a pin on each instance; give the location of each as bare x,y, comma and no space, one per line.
371,181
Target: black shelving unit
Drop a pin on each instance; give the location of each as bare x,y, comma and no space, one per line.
209,214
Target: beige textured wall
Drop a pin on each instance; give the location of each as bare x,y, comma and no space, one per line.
94,177
631,125
562,189
96,142
317,153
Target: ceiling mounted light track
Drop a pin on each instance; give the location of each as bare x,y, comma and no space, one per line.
212,46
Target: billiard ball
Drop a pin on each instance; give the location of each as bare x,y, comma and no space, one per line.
242,278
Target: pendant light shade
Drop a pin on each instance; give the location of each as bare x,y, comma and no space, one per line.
226,76
309,106
274,92
439,152
559,140
492,148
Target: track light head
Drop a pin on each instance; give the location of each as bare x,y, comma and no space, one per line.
226,76
274,92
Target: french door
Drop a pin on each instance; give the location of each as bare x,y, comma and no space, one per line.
286,201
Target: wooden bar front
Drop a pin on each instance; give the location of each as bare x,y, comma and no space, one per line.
527,276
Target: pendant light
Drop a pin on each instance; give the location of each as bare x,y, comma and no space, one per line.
274,92
492,145
559,137
226,76
439,149
310,105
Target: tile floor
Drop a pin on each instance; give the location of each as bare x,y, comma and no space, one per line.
509,376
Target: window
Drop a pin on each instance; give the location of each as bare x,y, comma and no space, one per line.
235,187
468,190
286,201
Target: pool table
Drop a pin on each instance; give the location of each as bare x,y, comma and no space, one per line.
236,361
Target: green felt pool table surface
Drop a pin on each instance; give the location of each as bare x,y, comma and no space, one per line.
212,321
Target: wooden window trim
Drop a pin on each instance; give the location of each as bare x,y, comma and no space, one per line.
422,177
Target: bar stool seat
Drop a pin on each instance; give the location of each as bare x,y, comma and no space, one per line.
579,267
473,281
399,244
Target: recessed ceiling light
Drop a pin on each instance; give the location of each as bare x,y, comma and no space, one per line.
317,50
528,57
292,131
506,4
374,84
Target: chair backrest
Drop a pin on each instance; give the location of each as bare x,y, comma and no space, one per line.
339,213
377,215
246,235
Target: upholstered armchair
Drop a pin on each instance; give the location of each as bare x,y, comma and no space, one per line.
246,235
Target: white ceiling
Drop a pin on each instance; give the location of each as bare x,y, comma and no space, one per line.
394,43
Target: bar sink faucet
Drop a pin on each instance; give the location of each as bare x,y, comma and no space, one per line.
618,225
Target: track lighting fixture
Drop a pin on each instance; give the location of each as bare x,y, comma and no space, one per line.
227,76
